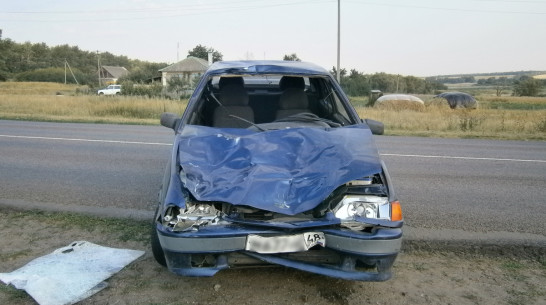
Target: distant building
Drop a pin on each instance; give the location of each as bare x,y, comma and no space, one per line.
189,69
110,74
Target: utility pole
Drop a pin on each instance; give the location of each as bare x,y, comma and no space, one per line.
98,66
71,72
338,72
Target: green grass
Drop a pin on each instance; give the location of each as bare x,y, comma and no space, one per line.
38,231
13,293
124,229
13,255
513,266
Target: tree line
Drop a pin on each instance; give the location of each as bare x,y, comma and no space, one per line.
356,83
39,62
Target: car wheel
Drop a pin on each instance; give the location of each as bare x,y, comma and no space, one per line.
159,255
157,251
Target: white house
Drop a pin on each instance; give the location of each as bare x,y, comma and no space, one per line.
190,68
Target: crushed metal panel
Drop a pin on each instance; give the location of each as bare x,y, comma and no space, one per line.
70,274
287,171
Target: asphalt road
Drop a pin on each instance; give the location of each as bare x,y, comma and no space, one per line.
448,184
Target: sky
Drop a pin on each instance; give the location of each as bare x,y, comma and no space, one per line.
419,37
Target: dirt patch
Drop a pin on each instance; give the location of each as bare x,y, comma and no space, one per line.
420,276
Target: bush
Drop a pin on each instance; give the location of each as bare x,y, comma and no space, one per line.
527,86
152,90
51,75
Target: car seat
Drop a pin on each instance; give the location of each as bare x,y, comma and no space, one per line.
234,111
293,99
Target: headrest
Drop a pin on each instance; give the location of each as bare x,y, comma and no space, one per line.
233,95
292,82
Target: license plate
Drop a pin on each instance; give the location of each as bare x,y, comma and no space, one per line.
285,243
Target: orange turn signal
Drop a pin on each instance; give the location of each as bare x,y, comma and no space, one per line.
396,211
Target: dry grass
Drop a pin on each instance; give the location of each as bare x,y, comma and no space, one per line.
400,104
33,88
40,101
441,121
511,102
506,117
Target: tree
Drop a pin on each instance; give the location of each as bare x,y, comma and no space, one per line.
412,84
291,57
178,85
501,85
54,75
356,84
143,72
526,86
384,82
203,52
342,72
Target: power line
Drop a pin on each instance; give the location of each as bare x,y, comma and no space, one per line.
173,11
451,9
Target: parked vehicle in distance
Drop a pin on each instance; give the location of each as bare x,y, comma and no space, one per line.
110,90
271,164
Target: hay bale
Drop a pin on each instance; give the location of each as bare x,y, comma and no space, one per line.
400,102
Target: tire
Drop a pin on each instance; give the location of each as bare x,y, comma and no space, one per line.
157,251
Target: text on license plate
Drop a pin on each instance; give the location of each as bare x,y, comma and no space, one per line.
284,243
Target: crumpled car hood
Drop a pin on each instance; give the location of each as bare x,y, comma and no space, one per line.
287,171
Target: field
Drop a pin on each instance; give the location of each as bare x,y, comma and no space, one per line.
505,117
66,103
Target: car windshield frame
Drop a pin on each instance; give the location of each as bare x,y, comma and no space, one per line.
322,85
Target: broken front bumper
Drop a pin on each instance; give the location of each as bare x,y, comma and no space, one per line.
343,253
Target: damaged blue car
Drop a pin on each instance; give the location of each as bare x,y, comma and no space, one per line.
271,164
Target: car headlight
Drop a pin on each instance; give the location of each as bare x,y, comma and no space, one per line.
351,206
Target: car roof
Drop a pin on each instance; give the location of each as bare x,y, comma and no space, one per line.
266,67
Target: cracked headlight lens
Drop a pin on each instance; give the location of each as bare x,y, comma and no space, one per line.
362,206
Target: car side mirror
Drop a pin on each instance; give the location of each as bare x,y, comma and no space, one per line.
376,127
169,120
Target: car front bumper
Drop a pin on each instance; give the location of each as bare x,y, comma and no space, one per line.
224,246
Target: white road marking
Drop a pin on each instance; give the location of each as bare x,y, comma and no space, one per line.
168,144
86,140
464,158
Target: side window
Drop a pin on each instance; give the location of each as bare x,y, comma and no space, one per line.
340,107
332,107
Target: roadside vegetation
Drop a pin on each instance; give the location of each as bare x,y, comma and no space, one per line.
498,117
505,117
69,103
422,274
